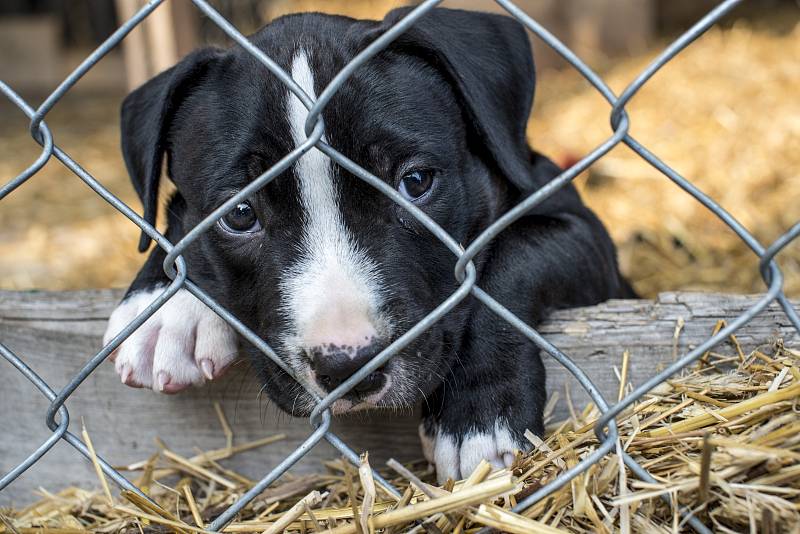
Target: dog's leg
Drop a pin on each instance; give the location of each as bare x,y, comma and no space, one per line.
493,393
183,343
495,387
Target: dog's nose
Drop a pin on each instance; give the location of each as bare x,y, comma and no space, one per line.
334,364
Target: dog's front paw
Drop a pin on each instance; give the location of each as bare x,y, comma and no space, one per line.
183,343
457,454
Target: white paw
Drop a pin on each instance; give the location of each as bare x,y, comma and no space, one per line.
458,460
183,343
428,442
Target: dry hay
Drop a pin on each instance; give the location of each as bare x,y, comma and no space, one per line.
723,439
724,113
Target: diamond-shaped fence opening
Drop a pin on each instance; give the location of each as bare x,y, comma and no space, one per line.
57,417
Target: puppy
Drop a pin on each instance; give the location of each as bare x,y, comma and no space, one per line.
327,269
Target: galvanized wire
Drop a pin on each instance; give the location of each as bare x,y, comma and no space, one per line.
57,415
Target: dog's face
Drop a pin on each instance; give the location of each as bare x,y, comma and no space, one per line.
320,264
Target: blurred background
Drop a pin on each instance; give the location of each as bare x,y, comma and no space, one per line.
725,113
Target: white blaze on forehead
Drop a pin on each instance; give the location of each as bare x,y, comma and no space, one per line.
332,293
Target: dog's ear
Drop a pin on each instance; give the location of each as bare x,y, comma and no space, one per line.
487,59
146,117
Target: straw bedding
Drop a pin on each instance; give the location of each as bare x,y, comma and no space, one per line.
723,113
723,439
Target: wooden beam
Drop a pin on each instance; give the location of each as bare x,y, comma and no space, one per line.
160,30
56,332
134,47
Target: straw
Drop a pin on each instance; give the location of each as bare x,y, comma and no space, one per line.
723,441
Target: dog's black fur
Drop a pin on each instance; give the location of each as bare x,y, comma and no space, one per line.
453,94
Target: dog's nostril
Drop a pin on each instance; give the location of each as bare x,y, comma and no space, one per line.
333,365
371,383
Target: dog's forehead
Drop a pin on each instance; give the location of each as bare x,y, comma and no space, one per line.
388,110
328,41
390,82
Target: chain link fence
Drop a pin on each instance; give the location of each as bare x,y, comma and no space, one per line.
57,417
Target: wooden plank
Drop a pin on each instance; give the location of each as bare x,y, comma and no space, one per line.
56,332
160,30
134,47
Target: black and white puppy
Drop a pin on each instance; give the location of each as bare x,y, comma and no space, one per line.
327,269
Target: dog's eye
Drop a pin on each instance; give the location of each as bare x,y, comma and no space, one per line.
415,184
241,219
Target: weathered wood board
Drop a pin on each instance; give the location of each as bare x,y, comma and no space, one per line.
55,333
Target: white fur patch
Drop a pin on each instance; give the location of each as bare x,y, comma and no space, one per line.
332,293
446,458
498,447
428,443
183,343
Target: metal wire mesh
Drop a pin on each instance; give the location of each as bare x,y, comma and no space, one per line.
57,416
